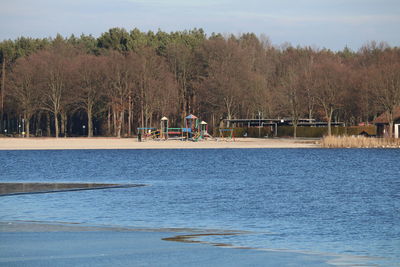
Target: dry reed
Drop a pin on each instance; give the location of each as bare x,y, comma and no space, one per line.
359,142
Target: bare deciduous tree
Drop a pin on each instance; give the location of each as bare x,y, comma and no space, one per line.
330,76
386,81
25,84
56,69
90,80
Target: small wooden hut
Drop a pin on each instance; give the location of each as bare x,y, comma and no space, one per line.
383,126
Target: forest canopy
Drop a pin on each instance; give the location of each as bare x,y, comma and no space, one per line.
122,80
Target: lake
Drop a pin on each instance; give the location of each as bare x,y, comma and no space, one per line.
325,201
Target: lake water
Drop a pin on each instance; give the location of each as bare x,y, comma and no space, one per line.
323,201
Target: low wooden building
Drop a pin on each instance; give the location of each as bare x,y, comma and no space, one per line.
275,123
382,124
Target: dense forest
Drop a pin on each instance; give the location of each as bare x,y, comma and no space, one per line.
122,80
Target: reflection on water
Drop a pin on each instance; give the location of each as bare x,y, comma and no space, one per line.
316,200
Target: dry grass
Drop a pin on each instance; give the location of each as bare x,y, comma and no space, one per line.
359,142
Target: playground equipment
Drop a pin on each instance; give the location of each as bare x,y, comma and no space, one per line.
229,137
191,123
194,130
164,128
175,133
148,133
203,129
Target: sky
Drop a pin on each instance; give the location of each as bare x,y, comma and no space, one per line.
332,24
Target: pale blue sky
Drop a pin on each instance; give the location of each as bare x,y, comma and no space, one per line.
320,23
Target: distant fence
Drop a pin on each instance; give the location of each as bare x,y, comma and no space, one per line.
303,131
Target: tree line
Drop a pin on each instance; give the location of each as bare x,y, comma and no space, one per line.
124,80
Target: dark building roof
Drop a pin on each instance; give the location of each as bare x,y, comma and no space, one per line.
280,122
382,119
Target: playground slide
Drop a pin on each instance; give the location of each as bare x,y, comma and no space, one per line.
196,137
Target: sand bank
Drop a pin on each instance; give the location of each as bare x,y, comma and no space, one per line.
131,143
75,245
36,188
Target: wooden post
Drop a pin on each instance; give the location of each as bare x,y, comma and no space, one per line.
3,82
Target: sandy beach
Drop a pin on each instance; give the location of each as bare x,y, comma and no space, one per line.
132,143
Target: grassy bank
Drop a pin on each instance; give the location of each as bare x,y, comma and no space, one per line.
359,142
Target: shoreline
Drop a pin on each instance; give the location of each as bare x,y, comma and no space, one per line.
51,143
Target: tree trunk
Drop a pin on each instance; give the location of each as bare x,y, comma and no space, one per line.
142,118
184,95
109,122
391,123
27,128
56,126
146,118
26,119
119,121
3,82
115,121
150,119
122,123
48,125
294,130
63,123
90,122
130,117
118,129
329,122
142,105
194,103
228,105
37,124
